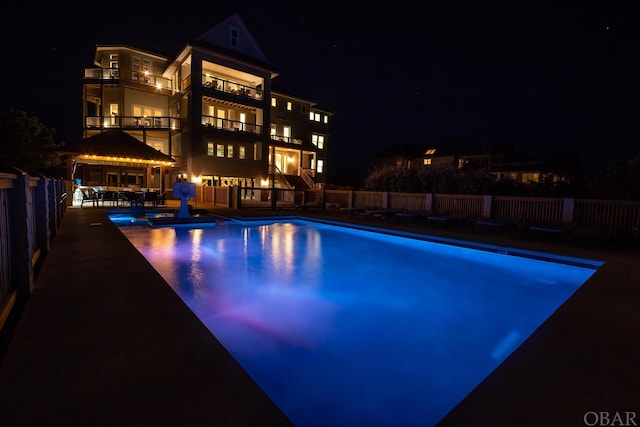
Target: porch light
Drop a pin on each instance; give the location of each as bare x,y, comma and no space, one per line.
159,85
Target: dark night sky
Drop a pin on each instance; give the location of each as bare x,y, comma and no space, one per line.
540,76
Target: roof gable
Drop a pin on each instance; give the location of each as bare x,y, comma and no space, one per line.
231,34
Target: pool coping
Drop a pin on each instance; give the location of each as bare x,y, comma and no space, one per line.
583,358
502,250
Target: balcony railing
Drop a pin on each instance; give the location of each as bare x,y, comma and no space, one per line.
231,87
132,122
286,139
145,78
231,125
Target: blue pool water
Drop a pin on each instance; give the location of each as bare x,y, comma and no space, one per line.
344,327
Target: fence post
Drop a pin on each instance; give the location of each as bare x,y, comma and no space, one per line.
486,206
567,210
385,200
428,202
22,273
41,210
350,199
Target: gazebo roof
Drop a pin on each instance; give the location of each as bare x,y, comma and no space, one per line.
114,145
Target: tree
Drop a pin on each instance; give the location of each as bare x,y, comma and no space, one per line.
26,143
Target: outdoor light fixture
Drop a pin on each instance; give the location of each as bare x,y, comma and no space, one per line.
125,160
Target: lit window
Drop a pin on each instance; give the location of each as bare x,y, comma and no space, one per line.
318,140
289,105
241,152
427,161
257,151
220,150
273,130
209,148
430,151
273,102
320,166
113,64
146,70
326,119
316,117
310,115
230,151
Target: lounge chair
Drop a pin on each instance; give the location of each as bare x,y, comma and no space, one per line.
412,215
446,220
358,209
379,213
554,228
496,224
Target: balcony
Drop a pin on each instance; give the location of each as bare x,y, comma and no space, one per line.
132,122
119,74
231,125
231,87
286,139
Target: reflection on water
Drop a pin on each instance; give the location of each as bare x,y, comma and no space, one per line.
343,327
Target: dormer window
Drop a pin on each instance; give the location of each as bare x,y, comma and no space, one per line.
234,37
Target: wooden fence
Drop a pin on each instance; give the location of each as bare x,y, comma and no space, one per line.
31,209
595,218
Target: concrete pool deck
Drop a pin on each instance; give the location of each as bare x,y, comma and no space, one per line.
103,340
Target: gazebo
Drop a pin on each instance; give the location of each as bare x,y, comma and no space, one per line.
115,158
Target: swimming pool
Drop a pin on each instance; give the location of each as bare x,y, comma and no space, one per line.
343,327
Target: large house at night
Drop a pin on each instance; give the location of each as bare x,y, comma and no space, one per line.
209,115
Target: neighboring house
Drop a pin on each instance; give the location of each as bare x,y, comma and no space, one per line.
211,112
502,160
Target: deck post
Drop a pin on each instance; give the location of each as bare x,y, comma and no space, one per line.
567,209
486,206
22,235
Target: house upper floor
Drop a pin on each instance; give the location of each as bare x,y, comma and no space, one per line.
221,81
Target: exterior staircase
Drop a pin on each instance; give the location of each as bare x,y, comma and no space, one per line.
297,182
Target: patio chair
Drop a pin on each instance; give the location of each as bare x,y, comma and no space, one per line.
88,196
109,196
150,198
131,198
